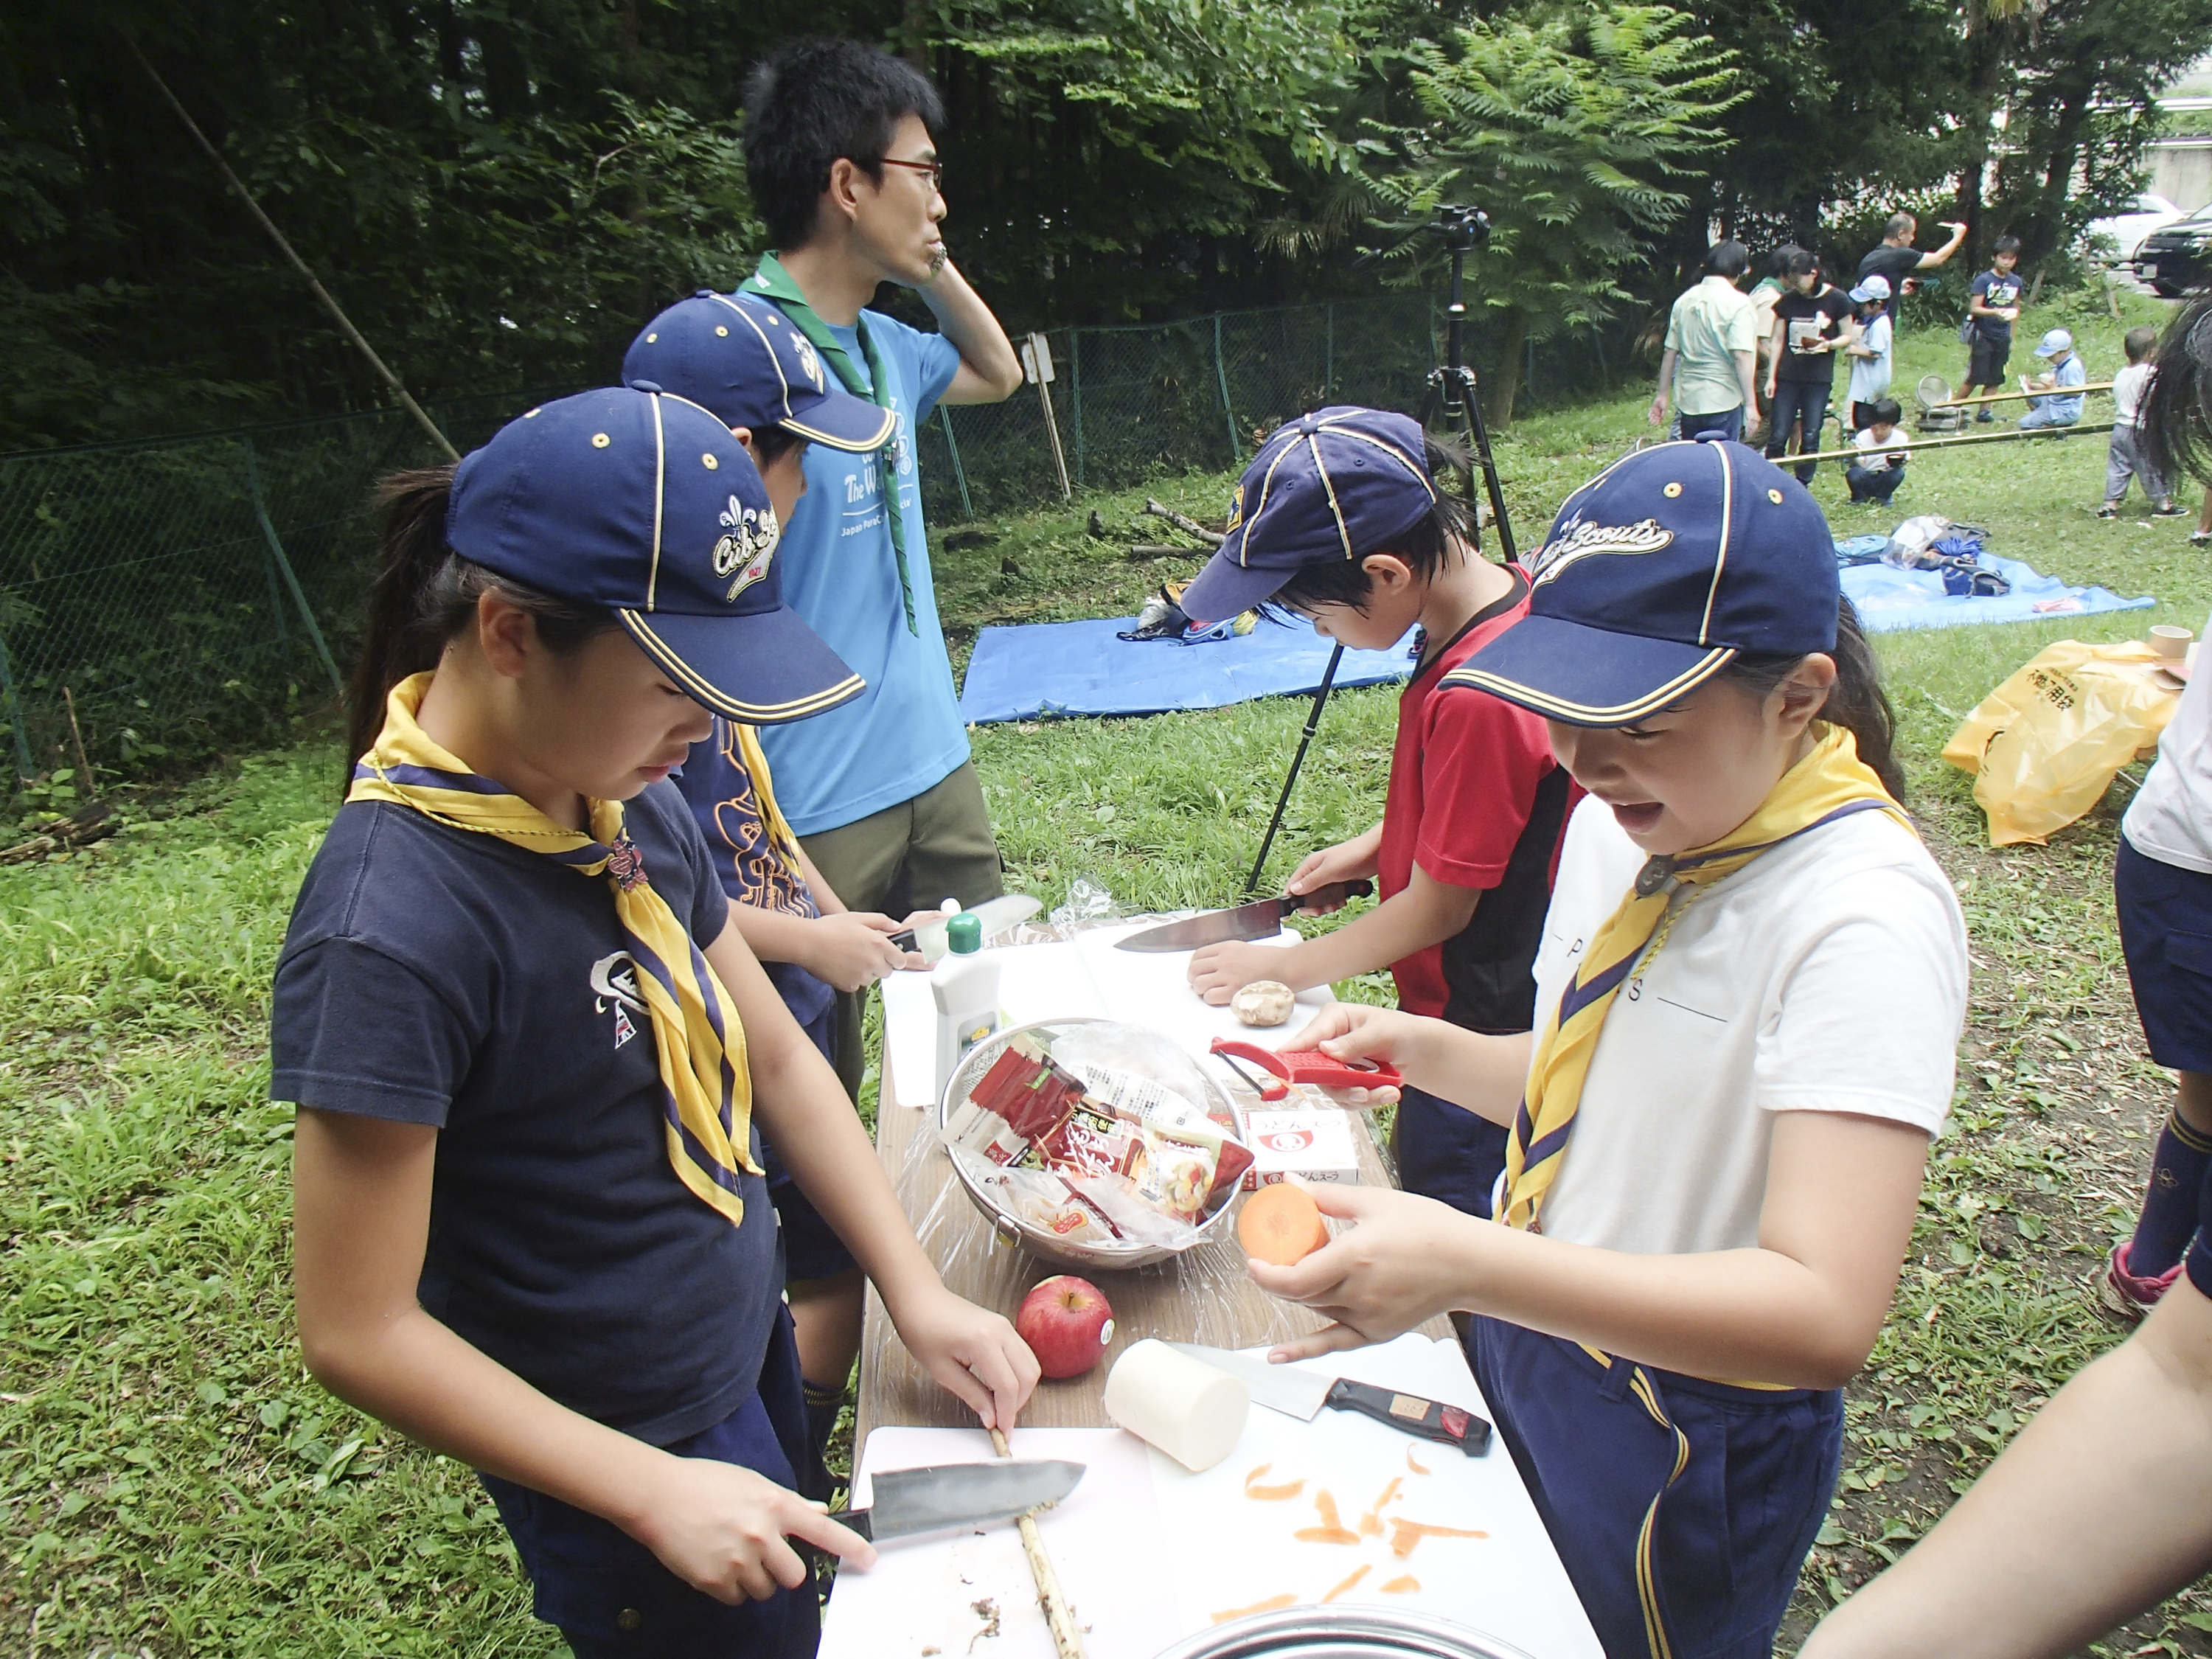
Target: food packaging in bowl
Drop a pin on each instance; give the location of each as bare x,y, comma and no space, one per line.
1089,1035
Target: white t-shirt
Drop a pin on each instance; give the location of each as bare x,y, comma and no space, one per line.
2171,817
1870,376
1874,458
2127,393
1826,975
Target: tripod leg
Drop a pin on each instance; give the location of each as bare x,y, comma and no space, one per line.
1470,403
1282,801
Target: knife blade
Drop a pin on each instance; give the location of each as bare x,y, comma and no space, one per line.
1301,1393
943,1496
1261,919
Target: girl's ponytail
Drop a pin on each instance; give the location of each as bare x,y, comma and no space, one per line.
1856,702
397,644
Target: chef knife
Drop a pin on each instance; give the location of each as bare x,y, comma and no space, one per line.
1261,919
1300,1394
945,1496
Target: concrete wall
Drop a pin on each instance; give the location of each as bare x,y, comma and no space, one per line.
2181,171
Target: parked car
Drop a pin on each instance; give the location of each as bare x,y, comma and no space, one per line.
2177,258
2142,215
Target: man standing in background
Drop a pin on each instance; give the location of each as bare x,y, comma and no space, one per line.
1712,344
1896,258
844,172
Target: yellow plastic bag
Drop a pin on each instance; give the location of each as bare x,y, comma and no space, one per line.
2046,744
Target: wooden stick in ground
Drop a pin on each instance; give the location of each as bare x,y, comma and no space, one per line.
1188,526
83,766
1066,1635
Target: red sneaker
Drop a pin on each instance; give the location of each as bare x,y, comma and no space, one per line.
2125,1297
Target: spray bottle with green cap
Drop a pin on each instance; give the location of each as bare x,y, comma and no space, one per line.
966,987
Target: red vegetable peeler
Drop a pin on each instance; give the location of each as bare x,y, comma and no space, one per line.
1307,1065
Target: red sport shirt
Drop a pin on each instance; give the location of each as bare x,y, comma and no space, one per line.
1477,800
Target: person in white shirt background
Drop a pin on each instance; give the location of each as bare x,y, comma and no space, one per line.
1710,1185
2097,1509
1879,468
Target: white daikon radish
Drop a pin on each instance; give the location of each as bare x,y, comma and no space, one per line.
1190,1410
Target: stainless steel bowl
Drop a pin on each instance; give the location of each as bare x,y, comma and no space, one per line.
1110,1257
1341,1632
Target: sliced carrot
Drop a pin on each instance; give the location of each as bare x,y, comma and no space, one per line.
1281,1225
1402,1584
1404,1534
1270,1494
1357,1573
1410,1463
1267,1605
1326,1536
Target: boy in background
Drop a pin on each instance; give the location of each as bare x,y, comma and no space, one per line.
1340,519
745,362
1869,353
1994,304
2125,458
1879,469
2065,369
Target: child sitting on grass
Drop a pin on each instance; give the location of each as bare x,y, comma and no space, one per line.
1340,518
1750,994
2065,370
2125,458
1879,469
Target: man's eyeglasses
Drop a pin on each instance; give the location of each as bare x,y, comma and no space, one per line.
935,169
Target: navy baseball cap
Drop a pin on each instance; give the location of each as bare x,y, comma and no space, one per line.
1658,573
1339,484
747,362
644,503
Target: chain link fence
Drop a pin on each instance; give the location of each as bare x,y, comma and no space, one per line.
194,595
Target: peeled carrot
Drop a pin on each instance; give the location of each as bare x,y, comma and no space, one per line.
1267,1605
1359,1573
1281,1225
1402,1584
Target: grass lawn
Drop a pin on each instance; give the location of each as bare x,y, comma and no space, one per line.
173,1483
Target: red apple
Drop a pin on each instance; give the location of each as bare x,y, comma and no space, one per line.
1066,1323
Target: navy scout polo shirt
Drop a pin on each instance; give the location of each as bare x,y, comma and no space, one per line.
437,975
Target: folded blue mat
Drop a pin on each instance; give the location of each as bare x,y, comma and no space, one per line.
1042,670
1888,598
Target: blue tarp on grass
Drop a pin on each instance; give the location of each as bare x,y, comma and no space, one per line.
1054,669
1888,598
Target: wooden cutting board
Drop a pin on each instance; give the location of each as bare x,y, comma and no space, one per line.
1150,1553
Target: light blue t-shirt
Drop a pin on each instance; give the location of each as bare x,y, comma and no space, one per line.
2072,372
903,734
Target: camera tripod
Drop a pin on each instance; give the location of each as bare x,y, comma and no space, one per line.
1452,396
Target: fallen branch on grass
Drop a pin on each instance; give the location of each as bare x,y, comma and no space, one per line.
1188,526
1145,552
95,821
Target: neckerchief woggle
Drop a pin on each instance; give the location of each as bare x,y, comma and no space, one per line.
706,1088
773,280
1830,783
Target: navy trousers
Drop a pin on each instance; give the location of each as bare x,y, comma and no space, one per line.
1681,1509
1446,1152
610,1594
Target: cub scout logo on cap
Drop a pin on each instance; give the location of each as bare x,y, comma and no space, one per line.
747,546
1581,540
810,362
1236,511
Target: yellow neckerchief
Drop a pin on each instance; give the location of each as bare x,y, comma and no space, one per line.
1830,783
772,820
706,1088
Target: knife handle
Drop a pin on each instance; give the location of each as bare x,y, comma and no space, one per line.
1341,891
857,1521
1428,1419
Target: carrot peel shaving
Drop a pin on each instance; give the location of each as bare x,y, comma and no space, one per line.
1410,1463
1268,1606
1270,1494
1402,1584
1357,1573
1327,1535
1404,1534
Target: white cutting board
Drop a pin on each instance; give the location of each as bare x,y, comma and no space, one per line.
922,1592
1148,1552
1083,976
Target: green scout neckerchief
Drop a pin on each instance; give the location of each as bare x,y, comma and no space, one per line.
773,281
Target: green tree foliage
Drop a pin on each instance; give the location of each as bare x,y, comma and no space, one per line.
1575,132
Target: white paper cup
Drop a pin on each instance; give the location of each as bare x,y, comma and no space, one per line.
2171,641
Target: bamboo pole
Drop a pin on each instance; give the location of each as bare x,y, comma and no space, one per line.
1066,1635
1917,446
2014,397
